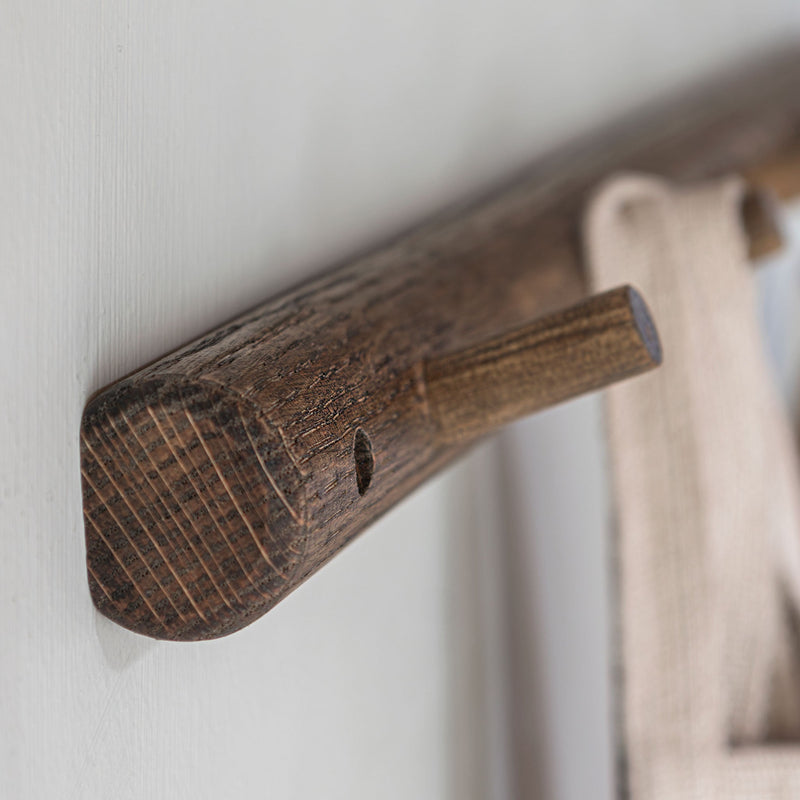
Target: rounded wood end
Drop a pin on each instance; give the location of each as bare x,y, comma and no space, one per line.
194,511
645,326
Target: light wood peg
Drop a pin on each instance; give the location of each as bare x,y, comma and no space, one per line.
602,340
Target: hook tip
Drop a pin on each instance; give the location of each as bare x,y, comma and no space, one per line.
643,320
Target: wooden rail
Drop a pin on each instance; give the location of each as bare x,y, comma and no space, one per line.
220,477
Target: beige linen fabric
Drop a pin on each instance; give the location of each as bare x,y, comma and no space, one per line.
707,498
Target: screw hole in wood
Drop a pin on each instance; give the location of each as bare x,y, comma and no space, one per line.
365,463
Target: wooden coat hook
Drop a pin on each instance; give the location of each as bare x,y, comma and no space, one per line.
220,477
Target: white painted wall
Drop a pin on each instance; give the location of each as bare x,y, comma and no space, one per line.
162,166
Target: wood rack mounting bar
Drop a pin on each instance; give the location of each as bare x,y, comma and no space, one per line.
220,477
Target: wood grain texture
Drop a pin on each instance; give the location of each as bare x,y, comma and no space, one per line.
602,340
220,477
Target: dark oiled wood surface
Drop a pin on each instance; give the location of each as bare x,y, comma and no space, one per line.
220,477
604,339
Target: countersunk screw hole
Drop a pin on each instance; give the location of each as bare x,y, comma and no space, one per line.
365,463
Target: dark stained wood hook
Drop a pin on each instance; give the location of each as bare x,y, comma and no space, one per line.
217,479
588,346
